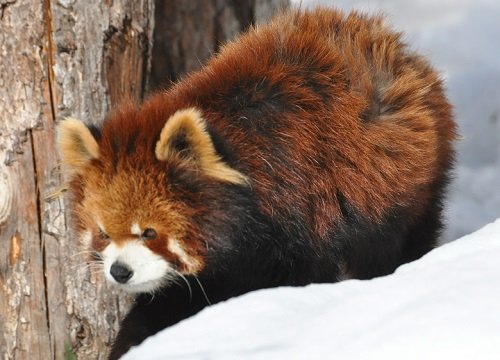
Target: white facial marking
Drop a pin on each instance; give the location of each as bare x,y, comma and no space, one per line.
101,226
135,229
150,270
86,239
175,247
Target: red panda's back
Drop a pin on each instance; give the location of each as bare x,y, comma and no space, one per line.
330,105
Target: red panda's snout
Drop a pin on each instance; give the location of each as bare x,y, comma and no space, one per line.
138,259
135,268
138,264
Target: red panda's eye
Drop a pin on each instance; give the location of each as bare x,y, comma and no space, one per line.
149,234
103,235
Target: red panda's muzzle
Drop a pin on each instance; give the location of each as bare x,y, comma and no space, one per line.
135,268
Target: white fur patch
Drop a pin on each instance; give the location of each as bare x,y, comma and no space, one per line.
175,247
150,270
135,229
101,226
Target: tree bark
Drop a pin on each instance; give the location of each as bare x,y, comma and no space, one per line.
63,58
58,59
187,32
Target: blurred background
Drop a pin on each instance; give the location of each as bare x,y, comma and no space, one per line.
462,40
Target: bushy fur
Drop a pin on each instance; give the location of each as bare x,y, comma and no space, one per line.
329,145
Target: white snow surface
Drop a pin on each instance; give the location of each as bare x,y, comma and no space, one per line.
444,306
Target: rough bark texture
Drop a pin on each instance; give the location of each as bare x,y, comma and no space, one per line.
57,60
188,32
78,58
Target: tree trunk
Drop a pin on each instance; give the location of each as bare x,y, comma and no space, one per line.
188,32
78,58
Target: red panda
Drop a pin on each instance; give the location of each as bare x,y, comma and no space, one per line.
312,149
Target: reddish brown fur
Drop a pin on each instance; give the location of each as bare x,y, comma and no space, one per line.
390,159
118,194
343,139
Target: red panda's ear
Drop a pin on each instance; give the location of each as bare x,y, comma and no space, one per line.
76,144
185,136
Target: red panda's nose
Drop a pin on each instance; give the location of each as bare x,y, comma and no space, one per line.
120,272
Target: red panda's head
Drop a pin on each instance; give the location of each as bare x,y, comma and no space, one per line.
136,200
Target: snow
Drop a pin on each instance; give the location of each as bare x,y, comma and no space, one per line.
461,39
444,306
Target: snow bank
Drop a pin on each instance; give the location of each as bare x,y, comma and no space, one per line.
443,306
